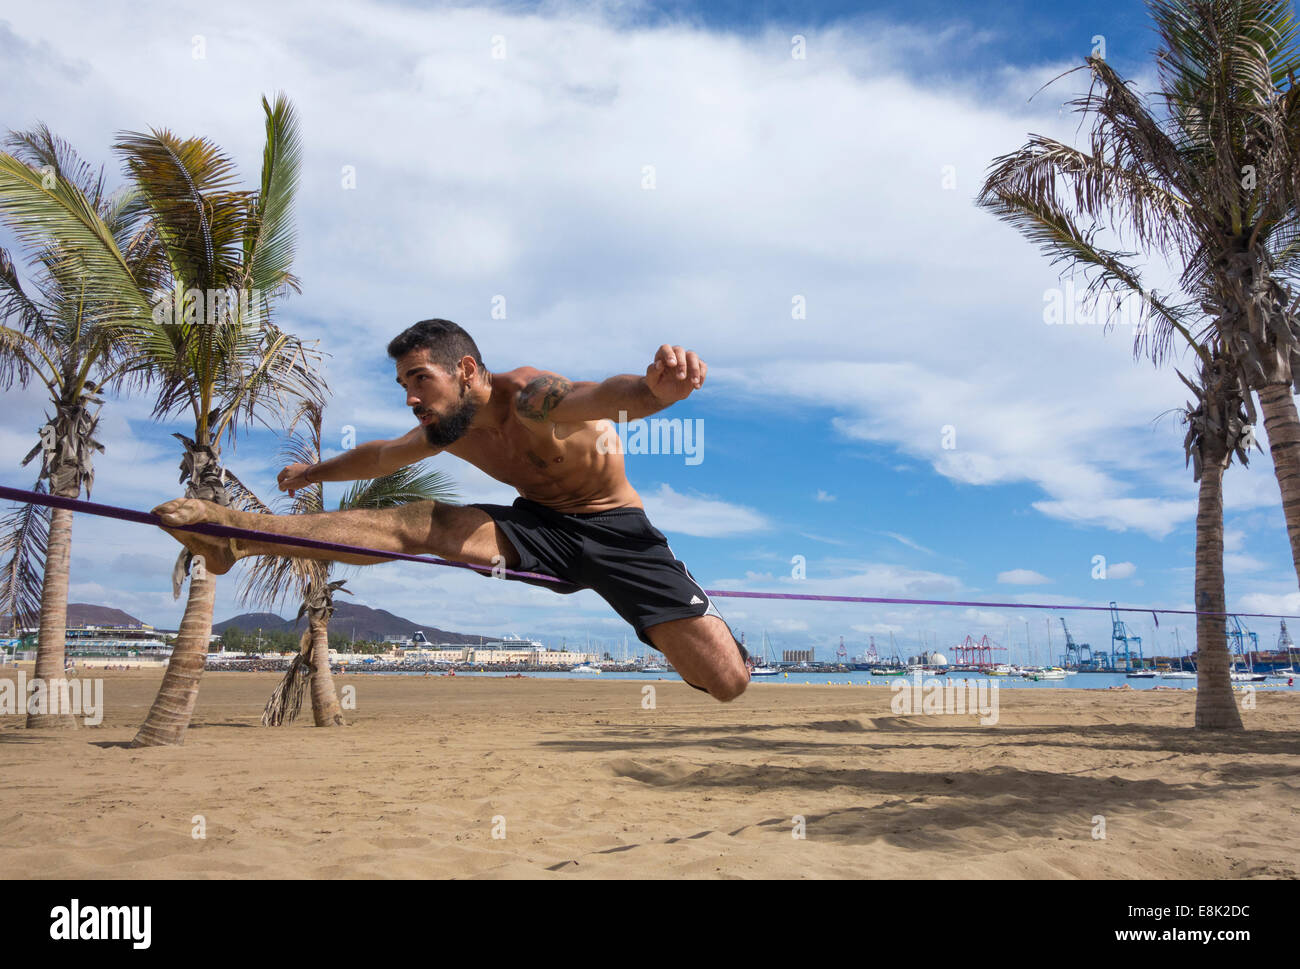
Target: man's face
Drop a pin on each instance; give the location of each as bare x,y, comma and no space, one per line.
440,401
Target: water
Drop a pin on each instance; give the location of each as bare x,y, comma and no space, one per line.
1079,681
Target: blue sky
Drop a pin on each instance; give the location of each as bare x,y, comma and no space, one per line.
777,180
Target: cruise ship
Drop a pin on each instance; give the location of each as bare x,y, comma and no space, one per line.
514,642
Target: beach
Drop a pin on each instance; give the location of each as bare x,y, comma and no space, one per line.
490,777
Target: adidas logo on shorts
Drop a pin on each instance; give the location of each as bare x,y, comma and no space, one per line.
695,601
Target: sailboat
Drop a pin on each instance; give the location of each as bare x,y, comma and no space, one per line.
895,665
764,667
1180,673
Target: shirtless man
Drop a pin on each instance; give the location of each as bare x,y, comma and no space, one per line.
577,517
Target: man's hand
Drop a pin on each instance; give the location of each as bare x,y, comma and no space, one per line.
293,478
674,374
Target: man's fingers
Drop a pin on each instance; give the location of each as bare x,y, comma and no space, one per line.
683,365
693,367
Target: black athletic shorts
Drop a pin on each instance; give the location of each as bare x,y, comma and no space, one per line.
617,553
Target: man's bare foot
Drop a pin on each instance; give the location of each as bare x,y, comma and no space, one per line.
219,554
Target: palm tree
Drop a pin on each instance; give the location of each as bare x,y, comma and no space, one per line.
1214,184
74,341
213,347
1219,426
270,578
1211,186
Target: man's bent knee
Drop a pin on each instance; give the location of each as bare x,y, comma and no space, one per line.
728,683
729,686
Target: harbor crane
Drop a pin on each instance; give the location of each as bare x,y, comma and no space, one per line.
1237,636
1122,642
1079,656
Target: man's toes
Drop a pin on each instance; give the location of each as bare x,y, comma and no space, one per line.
173,512
182,511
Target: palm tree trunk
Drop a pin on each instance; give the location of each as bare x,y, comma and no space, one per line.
1282,424
1216,708
50,656
324,698
174,705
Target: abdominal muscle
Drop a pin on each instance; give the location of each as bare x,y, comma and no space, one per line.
557,465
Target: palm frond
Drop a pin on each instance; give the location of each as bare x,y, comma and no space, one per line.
61,220
1125,135
286,701
21,356
270,237
1127,196
24,539
40,148
1044,222
189,188
400,488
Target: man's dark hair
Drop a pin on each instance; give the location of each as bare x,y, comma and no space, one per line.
445,341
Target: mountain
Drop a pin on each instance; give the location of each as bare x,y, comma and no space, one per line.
86,614
252,621
352,620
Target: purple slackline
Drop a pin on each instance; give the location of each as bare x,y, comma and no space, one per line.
228,531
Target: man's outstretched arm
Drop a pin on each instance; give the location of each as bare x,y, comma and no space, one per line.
373,459
672,376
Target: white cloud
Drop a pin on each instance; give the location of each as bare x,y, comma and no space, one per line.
821,538
1155,516
1022,577
824,495
903,539
1120,570
869,579
700,515
1236,562
1287,603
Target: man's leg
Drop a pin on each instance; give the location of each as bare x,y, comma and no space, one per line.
461,533
704,653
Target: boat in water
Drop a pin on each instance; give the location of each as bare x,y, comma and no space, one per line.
763,667
585,668
1046,673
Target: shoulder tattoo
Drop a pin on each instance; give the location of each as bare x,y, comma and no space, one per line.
540,397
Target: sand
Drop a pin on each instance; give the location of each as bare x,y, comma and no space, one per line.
583,782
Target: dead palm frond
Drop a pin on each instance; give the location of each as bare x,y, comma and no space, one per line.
286,700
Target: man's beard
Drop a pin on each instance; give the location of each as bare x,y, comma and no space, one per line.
448,430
